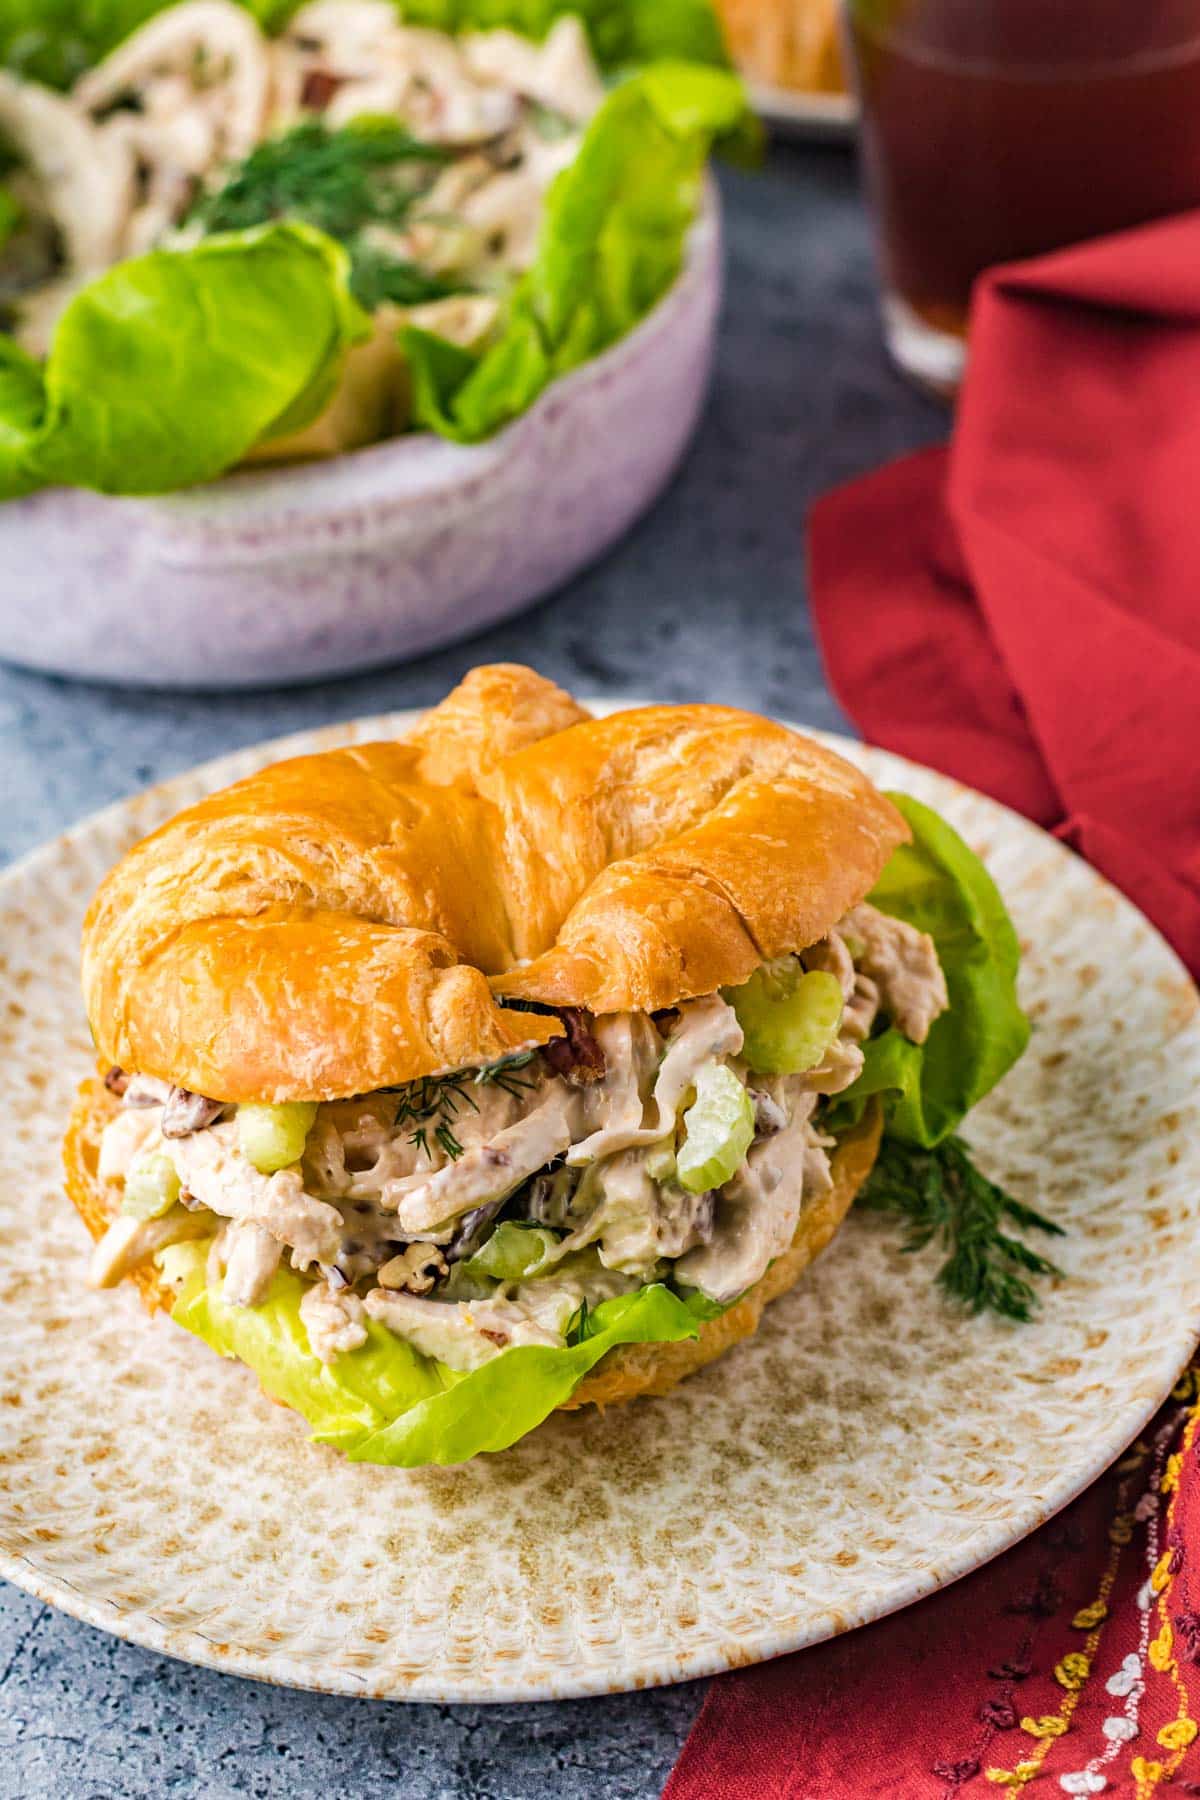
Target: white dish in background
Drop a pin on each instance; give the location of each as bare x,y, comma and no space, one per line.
820,118
293,574
865,1448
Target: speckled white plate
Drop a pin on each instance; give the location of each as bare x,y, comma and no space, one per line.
868,1446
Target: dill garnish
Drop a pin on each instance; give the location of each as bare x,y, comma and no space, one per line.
581,1325
341,182
943,1198
441,1098
338,181
448,1141
502,1074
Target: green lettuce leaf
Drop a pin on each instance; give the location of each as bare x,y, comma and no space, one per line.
170,367
622,32
611,242
937,884
386,1402
53,41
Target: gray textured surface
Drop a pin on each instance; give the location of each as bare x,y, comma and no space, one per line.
703,601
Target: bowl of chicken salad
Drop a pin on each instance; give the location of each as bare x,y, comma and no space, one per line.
330,334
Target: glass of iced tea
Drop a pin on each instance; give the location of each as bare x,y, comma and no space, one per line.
996,129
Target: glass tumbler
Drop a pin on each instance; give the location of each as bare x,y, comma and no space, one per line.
998,129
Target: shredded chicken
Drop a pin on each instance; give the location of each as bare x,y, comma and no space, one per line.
397,1190
471,1332
251,1258
333,1321
903,964
128,1243
758,1209
212,1167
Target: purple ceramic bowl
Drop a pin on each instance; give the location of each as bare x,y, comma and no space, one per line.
293,574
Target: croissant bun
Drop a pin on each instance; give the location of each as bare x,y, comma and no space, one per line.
349,920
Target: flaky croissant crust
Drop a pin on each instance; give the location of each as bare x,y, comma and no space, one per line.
344,921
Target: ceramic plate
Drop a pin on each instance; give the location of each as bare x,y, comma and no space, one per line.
866,1447
818,118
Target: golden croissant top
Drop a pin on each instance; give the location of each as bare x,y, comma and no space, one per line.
365,916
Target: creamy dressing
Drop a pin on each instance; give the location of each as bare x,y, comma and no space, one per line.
397,1189
758,1209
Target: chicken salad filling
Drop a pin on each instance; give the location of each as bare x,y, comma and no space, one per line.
492,1207
427,155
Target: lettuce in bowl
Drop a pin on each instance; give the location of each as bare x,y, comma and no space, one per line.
169,367
53,41
173,367
613,236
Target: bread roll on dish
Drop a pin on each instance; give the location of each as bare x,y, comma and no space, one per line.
786,43
455,1078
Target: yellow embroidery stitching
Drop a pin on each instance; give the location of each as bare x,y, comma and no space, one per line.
1052,1725
1073,1670
1159,1652
1162,1573
1024,1771
1178,1733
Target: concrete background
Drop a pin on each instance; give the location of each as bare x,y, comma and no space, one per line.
705,600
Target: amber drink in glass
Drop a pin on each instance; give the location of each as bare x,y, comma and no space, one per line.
997,129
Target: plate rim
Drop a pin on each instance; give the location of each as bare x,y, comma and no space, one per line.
662,1667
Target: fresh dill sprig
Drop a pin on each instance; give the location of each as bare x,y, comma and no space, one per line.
368,173
503,1074
581,1325
376,277
441,1098
338,181
432,1102
943,1198
448,1141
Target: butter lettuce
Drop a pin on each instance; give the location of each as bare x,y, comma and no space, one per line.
622,32
939,885
169,367
386,1402
613,234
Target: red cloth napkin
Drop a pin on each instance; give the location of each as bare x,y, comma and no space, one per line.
1023,611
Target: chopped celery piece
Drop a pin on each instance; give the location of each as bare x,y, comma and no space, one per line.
788,1018
273,1137
512,1253
660,1161
719,1125
151,1187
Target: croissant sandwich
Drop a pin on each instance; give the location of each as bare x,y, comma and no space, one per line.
512,1064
